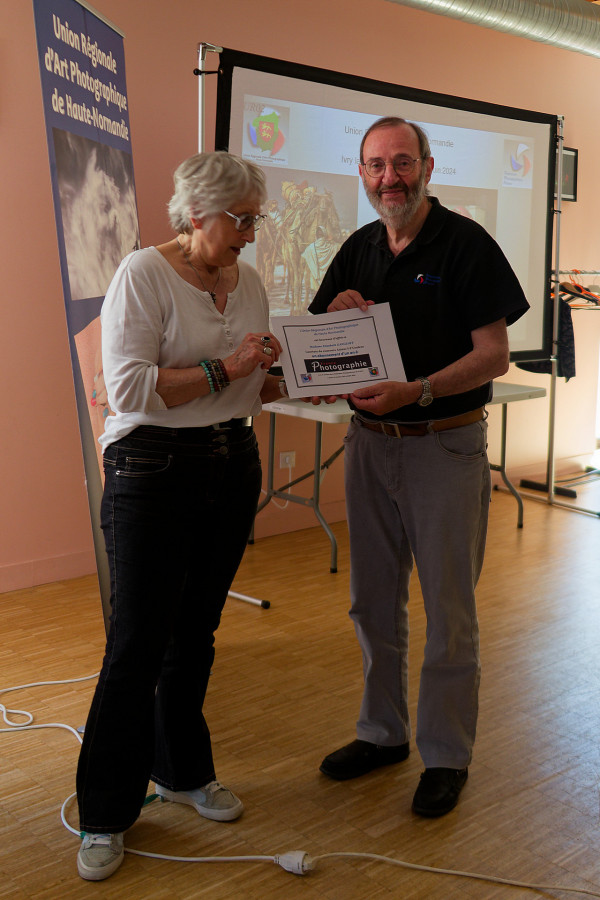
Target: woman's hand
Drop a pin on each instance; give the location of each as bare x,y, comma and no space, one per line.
257,349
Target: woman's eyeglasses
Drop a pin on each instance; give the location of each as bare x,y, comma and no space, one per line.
243,223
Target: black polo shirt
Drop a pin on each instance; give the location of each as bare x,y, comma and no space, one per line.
451,279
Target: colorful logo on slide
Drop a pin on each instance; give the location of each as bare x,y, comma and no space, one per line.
264,132
520,163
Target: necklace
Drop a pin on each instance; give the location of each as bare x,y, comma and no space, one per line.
186,256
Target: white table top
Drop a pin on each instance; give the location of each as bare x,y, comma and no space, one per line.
339,412
334,413
507,393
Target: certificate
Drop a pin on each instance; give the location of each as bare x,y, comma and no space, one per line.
338,352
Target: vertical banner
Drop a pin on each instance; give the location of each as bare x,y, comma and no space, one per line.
82,70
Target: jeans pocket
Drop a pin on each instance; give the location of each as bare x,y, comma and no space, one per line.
468,442
352,431
141,466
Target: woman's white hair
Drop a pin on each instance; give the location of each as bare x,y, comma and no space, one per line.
208,183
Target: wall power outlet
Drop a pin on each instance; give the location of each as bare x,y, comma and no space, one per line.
287,459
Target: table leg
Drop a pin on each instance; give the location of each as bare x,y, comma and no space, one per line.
316,496
286,494
270,466
502,468
265,604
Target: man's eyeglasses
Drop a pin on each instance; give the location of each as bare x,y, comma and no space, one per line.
402,165
243,223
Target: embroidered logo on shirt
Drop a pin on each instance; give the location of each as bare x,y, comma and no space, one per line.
428,279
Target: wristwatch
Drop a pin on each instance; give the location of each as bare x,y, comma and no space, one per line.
426,397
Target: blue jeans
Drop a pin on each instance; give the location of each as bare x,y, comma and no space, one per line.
425,498
177,511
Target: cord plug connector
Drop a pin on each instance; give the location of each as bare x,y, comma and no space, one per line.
296,861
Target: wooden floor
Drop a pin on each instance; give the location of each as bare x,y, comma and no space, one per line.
285,691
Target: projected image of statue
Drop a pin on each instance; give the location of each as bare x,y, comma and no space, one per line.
267,246
307,221
316,258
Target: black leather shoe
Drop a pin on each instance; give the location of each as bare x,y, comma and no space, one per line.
438,791
360,757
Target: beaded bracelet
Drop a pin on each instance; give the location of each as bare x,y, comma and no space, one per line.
208,377
223,372
216,374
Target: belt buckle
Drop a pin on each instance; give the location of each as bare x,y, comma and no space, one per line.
390,429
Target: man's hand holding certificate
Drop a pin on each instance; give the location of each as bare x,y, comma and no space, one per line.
338,352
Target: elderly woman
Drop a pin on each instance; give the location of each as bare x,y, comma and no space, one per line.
186,353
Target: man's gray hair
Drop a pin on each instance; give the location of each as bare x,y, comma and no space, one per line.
208,183
393,122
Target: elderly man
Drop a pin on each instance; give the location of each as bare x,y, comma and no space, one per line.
417,474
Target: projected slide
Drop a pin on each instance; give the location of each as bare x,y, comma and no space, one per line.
491,167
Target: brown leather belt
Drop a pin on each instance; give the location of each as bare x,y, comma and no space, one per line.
419,429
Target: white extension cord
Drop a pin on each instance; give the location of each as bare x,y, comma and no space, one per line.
296,861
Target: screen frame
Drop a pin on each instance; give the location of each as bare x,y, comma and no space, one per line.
231,59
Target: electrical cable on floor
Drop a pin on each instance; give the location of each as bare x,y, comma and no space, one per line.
298,862
586,477
27,726
281,489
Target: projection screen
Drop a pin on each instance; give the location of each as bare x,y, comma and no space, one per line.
304,125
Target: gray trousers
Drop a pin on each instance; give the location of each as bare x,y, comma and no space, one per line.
428,498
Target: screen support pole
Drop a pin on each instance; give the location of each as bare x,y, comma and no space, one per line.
555,310
550,470
203,49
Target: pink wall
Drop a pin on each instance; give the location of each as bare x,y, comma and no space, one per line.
44,521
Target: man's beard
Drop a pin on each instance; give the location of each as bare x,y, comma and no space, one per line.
399,215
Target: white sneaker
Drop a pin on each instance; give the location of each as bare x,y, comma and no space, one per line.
100,855
213,801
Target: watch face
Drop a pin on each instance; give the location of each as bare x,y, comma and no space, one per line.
426,397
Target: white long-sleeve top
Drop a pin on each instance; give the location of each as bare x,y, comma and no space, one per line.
151,318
